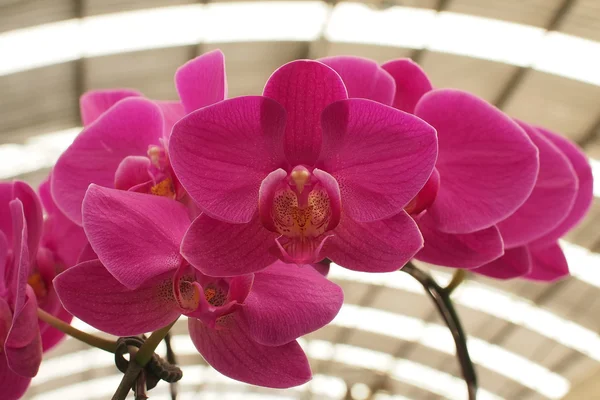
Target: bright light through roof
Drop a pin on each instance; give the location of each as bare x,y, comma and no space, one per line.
258,21
405,27
36,153
485,38
394,26
494,302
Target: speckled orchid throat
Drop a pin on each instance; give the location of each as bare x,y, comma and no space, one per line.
209,299
303,206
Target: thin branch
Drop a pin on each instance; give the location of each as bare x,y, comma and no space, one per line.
457,278
171,359
92,340
138,361
441,298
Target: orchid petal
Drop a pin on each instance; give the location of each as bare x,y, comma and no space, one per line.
23,346
585,193
380,246
381,157
304,88
411,83
34,217
62,236
515,262
92,294
172,112
201,81
13,385
219,248
551,200
288,301
363,78
548,263
466,250
222,153
21,264
136,236
132,171
487,164
232,352
96,102
126,130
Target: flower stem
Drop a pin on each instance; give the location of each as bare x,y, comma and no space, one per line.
457,278
144,354
443,303
92,340
139,361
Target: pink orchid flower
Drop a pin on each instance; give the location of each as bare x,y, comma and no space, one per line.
125,139
562,196
20,340
485,170
62,242
245,326
301,173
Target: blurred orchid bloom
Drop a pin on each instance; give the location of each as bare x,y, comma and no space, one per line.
244,326
486,166
125,139
476,139
301,173
61,245
20,340
562,196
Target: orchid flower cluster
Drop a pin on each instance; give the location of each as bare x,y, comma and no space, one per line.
226,210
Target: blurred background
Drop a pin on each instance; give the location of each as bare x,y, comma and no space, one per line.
538,60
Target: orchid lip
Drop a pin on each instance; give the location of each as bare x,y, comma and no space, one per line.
299,207
205,298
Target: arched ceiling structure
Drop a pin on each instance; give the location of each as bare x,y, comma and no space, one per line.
538,60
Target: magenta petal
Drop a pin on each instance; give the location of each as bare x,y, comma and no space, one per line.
467,250
304,88
514,263
136,236
94,103
13,385
93,295
132,171
222,153
585,193
201,81
288,301
126,130
381,157
548,263
551,200
32,208
487,164
380,246
219,248
232,352
17,276
23,346
172,111
411,83
363,78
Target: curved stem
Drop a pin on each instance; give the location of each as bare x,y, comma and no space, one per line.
139,360
145,352
441,298
457,278
92,340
